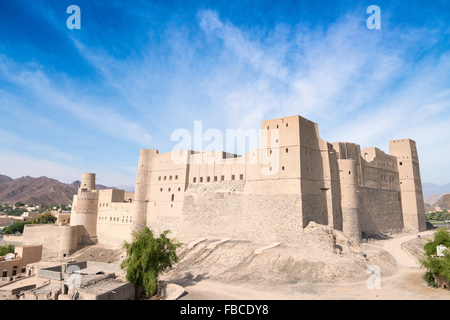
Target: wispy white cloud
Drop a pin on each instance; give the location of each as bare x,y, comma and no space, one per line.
66,95
265,58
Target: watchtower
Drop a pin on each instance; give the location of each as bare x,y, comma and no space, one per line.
411,194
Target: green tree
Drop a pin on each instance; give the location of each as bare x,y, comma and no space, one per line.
15,212
5,249
441,236
19,204
147,257
44,218
434,264
14,227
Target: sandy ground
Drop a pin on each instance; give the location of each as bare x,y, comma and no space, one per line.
227,272
404,284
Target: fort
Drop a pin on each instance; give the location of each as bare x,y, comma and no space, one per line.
271,194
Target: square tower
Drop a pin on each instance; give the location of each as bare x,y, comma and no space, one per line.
413,208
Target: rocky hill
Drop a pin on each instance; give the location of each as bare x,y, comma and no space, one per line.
4,179
40,190
433,192
443,202
431,200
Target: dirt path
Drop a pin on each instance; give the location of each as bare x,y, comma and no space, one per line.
394,247
405,284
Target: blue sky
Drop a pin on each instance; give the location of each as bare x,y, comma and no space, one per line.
88,100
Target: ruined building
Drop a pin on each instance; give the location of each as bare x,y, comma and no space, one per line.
269,194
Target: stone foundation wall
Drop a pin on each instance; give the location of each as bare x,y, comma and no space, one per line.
315,209
224,210
380,211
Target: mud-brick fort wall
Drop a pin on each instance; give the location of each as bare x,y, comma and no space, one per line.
275,191
105,216
378,188
114,217
270,194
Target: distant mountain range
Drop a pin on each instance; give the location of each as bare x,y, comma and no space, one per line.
431,188
432,193
41,190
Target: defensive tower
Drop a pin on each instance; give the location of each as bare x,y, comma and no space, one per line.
410,184
85,208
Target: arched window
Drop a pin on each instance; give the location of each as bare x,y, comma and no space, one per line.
366,156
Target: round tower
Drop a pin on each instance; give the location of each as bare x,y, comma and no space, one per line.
85,208
68,241
86,211
88,181
141,194
349,199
